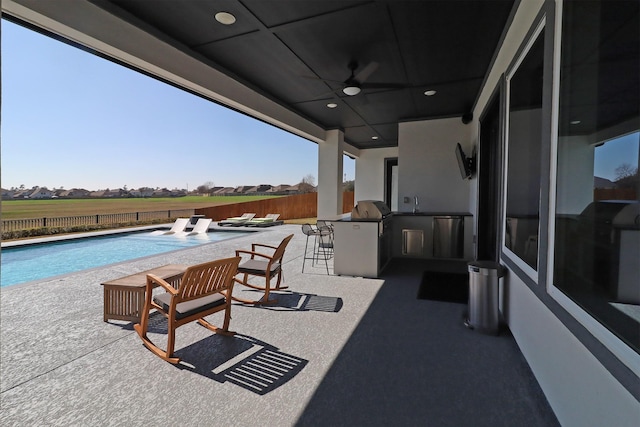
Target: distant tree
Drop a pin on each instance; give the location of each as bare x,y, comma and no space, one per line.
205,188
349,185
625,170
307,184
626,176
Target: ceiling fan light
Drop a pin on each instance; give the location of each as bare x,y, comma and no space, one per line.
225,18
351,90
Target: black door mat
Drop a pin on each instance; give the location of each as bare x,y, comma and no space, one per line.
449,287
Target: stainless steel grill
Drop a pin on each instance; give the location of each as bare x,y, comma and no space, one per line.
370,209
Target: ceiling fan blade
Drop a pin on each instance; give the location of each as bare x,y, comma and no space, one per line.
366,71
327,95
383,86
322,80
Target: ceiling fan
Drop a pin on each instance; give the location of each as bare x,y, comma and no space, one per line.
356,82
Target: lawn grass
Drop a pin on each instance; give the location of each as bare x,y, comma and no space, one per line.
19,209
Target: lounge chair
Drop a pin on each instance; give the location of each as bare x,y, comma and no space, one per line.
237,220
178,227
262,265
204,289
202,226
267,221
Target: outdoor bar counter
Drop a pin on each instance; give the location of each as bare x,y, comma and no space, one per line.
363,246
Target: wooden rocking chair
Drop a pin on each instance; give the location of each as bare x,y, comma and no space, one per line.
204,289
262,265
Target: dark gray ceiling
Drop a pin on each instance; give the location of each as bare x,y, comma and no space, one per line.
283,48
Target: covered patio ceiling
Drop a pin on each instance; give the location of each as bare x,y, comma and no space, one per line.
300,54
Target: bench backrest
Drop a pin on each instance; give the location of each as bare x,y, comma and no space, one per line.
208,278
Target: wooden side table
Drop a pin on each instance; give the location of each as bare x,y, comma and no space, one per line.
124,297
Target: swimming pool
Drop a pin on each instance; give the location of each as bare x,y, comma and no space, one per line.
38,261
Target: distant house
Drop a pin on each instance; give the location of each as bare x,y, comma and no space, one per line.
301,188
22,194
280,189
74,193
603,183
7,194
40,193
162,192
242,189
223,191
259,189
145,192
115,193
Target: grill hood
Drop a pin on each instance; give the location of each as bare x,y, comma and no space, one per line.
370,209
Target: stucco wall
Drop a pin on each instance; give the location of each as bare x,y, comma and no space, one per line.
370,173
579,388
575,174
427,165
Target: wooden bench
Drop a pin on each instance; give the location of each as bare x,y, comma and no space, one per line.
124,297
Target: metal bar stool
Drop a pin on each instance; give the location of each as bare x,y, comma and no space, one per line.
319,238
326,244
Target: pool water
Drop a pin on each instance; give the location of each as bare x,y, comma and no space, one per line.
39,261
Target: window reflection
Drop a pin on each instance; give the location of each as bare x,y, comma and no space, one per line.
597,239
523,160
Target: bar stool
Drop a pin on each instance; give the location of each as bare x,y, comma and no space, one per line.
326,245
319,237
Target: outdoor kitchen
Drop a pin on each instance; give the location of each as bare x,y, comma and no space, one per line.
366,240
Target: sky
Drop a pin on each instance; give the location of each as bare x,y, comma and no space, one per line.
614,153
71,119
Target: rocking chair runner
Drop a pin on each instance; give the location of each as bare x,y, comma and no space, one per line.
205,289
262,265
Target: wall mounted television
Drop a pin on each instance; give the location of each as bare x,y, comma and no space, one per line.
465,164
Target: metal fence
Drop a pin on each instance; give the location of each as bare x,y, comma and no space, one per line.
99,219
296,206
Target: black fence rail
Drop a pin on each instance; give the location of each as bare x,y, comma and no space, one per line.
99,219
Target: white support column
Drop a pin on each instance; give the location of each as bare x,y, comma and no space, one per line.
330,154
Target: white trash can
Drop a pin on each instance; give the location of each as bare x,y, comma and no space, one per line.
484,288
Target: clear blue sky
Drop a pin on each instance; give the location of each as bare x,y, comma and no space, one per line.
72,119
614,153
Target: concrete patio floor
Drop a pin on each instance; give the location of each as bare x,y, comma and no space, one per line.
334,351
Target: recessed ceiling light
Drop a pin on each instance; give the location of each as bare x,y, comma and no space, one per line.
430,92
351,90
225,18
374,137
332,105
575,122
